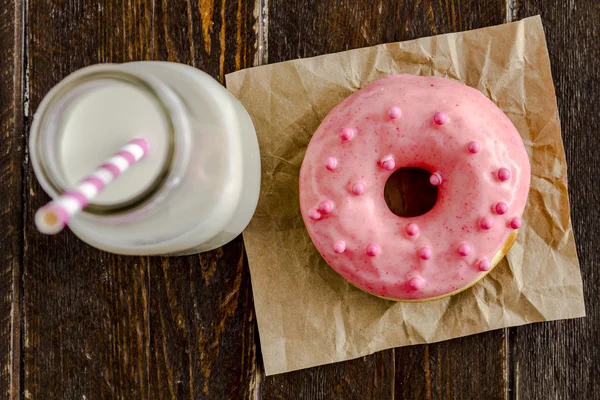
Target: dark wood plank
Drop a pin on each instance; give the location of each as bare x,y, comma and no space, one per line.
364,378
202,325
304,28
85,311
470,367
102,325
561,359
11,192
216,36
453,369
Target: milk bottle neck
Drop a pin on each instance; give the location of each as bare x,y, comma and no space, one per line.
95,111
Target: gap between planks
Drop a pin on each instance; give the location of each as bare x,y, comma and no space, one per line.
511,10
20,117
261,14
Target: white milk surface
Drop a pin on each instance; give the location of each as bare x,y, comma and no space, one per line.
102,121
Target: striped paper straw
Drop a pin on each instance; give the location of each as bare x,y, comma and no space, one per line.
53,217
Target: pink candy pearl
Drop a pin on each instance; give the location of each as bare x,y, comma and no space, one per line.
424,253
464,249
412,229
346,134
474,147
515,223
372,249
440,118
313,213
358,188
330,163
388,164
435,179
339,247
325,207
503,174
394,112
501,208
484,265
486,223
416,283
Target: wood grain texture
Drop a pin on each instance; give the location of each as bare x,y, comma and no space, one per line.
99,325
473,367
202,342
447,370
11,159
85,311
561,359
216,36
202,326
308,28
364,378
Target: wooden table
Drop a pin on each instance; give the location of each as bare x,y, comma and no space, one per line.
78,323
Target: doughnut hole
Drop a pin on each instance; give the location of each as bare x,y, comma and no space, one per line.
408,192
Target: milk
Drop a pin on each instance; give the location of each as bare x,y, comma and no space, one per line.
198,186
103,120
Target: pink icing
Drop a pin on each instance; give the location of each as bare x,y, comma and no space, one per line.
471,188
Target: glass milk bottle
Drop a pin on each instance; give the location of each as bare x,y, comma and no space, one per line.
197,187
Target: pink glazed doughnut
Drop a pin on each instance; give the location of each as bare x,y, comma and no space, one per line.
475,156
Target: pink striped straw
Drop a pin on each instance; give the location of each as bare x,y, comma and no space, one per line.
53,217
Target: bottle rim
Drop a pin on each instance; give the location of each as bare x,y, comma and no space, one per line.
45,127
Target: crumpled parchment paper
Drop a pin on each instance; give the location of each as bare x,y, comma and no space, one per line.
309,315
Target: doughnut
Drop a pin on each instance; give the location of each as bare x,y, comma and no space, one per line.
476,159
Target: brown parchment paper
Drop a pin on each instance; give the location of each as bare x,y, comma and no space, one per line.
309,315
